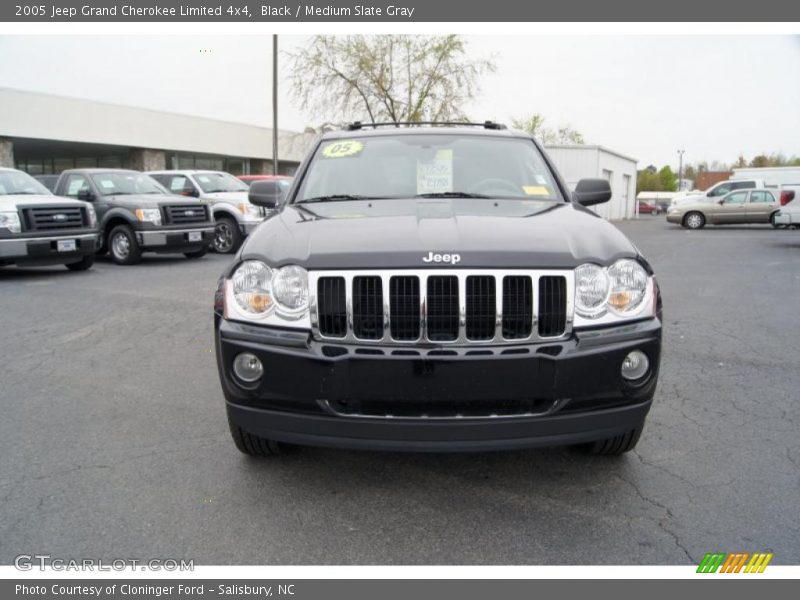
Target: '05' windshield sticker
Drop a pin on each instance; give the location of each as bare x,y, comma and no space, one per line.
343,148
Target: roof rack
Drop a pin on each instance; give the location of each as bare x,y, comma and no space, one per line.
356,125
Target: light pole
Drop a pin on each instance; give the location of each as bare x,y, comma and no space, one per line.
680,169
275,104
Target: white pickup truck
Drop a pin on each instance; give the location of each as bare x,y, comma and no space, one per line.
718,190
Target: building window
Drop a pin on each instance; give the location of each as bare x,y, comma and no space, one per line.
230,164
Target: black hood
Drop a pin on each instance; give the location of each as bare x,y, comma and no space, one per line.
399,233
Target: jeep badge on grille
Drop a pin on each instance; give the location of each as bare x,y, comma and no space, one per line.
453,259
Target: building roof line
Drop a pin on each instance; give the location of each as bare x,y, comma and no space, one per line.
590,147
5,88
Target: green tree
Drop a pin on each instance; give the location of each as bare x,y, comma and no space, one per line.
386,77
669,183
534,124
648,181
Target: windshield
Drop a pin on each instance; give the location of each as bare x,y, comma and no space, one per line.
17,182
126,183
211,183
428,166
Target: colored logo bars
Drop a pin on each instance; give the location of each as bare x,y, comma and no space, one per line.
734,562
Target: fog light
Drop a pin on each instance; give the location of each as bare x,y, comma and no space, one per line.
635,365
247,367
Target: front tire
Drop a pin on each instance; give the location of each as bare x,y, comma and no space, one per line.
618,444
83,264
694,220
227,236
123,247
253,445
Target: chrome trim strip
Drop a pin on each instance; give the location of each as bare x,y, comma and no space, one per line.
51,238
422,275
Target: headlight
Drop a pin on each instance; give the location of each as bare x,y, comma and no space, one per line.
92,216
606,295
252,287
10,221
290,286
149,215
250,210
591,290
628,286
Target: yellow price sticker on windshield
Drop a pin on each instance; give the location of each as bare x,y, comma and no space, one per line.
342,149
535,190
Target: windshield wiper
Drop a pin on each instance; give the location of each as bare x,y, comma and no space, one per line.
451,195
334,198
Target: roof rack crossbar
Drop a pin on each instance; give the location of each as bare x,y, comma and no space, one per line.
356,125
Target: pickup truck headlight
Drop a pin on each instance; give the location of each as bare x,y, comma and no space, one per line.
149,215
92,216
250,210
261,294
622,291
10,220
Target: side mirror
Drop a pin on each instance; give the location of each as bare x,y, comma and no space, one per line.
265,193
721,202
192,192
592,191
86,195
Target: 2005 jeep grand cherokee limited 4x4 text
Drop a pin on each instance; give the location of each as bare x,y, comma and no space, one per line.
437,288
138,215
38,229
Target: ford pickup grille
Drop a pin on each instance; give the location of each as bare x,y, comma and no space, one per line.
54,218
185,214
441,307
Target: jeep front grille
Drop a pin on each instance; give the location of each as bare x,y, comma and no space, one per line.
185,214
54,218
441,306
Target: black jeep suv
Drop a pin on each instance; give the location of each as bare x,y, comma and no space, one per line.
437,288
137,214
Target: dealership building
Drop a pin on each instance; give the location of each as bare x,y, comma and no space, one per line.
46,134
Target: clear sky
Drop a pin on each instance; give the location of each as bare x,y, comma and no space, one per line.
647,96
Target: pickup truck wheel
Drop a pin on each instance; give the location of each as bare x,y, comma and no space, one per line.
694,220
227,237
122,245
196,254
253,445
83,264
619,444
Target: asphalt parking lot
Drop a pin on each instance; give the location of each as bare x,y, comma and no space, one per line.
114,443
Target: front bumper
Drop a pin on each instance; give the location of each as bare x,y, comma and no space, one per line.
44,250
675,218
571,391
175,240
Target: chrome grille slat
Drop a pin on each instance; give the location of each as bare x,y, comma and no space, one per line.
440,317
